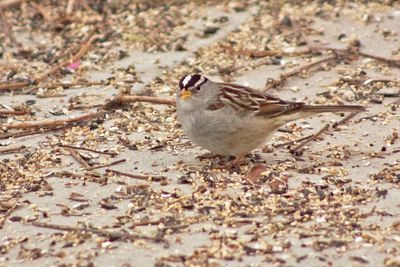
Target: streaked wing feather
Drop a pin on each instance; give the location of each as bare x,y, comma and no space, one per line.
246,99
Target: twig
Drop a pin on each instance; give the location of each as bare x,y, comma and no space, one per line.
89,149
70,7
109,164
82,51
11,149
60,84
283,77
145,223
33,132
54,123
74,49
8,213
292,142
344,120
78,158
13,86
156,178
80,107
312,138
380,58
112,235
120,100
260,54
14,112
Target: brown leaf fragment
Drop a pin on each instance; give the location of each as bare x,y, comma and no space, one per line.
255,173
279,185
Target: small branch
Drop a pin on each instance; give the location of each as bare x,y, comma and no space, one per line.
33,132
54,123
13,86
394,61
113,154
260,54
120,235
11,149
145,223
13,112
292,142
79,158
344,120
312,138
82,51
60,84
271,83
120,100
70,7
156,178
108,165
8,213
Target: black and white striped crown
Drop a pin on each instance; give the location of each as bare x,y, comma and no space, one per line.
192,80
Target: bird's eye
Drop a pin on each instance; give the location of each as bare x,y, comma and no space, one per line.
197,88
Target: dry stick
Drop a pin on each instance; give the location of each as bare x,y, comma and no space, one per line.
54,123
380,58
60,84
145,223
13,112
123,99
79,107
88,149
83,50
156,178
11,149
70,7
74,49
344,120
78,158
292,142
109,164
260,54
283,77
312,138
30,132
112,235
8,213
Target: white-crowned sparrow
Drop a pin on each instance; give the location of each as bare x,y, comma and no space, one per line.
230,119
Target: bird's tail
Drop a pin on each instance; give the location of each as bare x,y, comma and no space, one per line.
332,108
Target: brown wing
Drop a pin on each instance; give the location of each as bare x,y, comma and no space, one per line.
246,99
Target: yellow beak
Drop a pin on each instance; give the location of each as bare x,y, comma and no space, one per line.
185,94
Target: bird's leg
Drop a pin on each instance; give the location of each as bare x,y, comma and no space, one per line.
237,160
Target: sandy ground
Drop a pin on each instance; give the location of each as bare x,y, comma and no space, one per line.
373,240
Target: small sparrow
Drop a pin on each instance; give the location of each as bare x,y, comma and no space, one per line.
233,120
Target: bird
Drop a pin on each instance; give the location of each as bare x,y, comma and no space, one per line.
233,120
